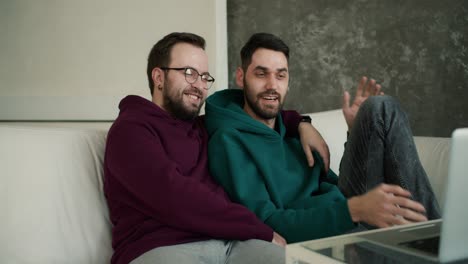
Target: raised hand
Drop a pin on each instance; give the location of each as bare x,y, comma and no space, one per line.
365,90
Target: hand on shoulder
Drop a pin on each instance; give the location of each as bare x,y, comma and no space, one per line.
311,140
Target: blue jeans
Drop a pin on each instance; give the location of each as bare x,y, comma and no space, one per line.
251,251
381,149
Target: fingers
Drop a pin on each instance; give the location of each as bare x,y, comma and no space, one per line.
346,99
410,204
308,153
410,214
324,152
399,216
395,190
402,206
397,220
392,206
360,89
369,88
377,90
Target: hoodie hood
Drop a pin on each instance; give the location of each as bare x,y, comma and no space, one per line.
133,106
137,104
224,109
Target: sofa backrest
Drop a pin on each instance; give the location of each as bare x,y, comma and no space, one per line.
51,201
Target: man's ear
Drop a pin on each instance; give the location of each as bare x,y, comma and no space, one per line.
240,77
158,78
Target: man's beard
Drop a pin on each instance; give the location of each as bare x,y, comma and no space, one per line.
174,104
253,100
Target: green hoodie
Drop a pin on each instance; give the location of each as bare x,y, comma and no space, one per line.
268,173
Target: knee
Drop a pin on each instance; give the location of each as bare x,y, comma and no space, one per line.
384,103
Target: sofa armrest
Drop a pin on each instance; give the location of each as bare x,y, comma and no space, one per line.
434,154
53,205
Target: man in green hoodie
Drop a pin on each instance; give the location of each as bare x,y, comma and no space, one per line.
381,183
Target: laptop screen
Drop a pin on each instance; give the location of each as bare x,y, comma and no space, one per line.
454,233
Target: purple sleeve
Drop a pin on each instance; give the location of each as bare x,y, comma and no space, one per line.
291,120
153,184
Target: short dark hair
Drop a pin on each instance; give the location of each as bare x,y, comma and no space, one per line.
160,54
262,40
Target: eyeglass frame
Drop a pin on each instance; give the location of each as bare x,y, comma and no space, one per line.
209,82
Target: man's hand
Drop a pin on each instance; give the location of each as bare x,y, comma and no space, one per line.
364,90
386,205
278,240
312,140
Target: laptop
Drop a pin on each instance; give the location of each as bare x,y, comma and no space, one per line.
437,240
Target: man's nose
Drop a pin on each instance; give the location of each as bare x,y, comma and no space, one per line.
203,86
272,82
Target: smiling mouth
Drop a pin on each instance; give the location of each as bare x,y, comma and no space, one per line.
270,97
194,97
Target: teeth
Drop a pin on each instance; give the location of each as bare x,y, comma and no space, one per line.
193,96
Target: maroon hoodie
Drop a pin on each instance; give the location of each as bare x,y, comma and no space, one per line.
158,187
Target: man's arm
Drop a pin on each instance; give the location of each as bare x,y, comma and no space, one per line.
154,185
310,137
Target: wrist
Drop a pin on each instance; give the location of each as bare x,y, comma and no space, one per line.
354,209
303,125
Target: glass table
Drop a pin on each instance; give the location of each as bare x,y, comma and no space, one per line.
358,248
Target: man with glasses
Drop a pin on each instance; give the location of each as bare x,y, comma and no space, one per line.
164,205
264,170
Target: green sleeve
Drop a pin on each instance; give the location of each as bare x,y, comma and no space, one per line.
233,166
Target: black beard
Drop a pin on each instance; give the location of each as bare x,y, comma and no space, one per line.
253,104
175,106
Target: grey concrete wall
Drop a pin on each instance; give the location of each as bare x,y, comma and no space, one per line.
418,51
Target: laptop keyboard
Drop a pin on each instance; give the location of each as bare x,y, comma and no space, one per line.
430,245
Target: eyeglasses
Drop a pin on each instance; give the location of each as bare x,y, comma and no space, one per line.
191,75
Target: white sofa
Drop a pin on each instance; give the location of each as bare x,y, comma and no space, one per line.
52,208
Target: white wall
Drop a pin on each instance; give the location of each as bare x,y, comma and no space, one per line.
74,60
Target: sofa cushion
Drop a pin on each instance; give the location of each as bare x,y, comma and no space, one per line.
52,205
434,154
